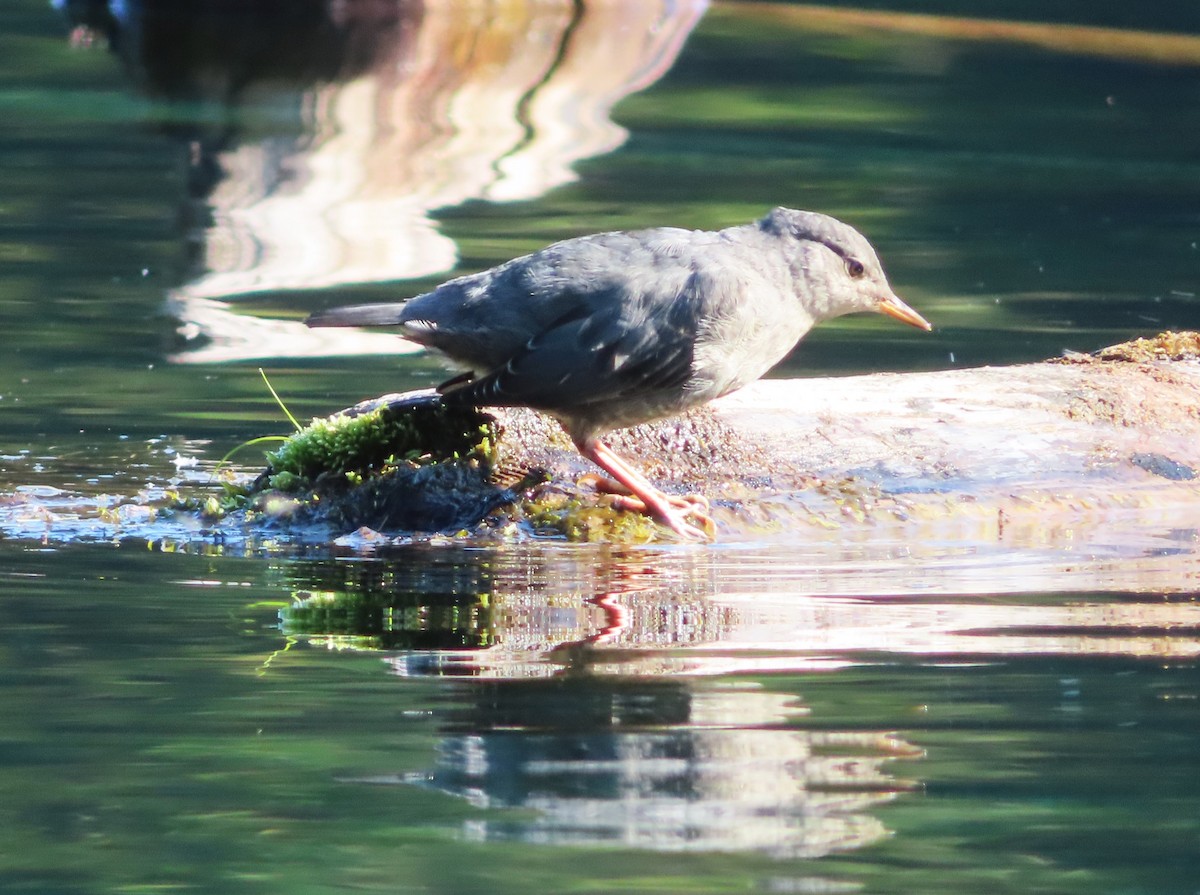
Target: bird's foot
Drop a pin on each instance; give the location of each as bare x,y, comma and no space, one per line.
674,514
705,530
674,517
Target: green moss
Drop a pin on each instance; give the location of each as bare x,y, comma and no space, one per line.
354,447
216,507
397,463
373,619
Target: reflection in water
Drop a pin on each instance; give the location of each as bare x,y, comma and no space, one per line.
665,766
332,149
668,764
589,689
529,612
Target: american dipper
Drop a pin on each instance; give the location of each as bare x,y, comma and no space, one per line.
617,329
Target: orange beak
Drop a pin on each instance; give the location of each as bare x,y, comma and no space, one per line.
894,307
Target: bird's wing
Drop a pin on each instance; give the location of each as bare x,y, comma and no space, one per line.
599,351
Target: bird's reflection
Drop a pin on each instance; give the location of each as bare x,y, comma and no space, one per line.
664,765
321,135
524,613
531,612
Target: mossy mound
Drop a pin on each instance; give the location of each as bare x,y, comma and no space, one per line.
374,437
395,463
408,464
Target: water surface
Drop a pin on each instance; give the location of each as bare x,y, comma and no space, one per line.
931,715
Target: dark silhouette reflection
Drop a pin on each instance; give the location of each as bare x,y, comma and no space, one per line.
321,134
221,50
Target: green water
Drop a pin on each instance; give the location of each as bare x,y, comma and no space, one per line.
456,719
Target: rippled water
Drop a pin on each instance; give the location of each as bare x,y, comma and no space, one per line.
917,709
589,719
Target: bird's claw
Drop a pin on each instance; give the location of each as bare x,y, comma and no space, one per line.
689,503
678,523
675,517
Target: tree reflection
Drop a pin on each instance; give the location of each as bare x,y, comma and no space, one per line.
331,131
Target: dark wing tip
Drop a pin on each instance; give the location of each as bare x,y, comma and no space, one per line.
357,315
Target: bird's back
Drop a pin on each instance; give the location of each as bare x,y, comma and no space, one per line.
617,328
484,319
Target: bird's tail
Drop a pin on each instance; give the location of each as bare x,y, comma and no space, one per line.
358,315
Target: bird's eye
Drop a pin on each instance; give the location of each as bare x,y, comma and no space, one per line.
855,268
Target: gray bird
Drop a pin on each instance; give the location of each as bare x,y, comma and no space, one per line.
616,329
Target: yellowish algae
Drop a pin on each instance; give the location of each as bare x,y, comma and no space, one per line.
584,517
1166,346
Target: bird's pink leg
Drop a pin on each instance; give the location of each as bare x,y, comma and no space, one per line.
654,502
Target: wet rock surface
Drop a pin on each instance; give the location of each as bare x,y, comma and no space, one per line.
1115,431
1082,438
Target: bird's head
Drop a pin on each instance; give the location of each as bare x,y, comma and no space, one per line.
838,268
